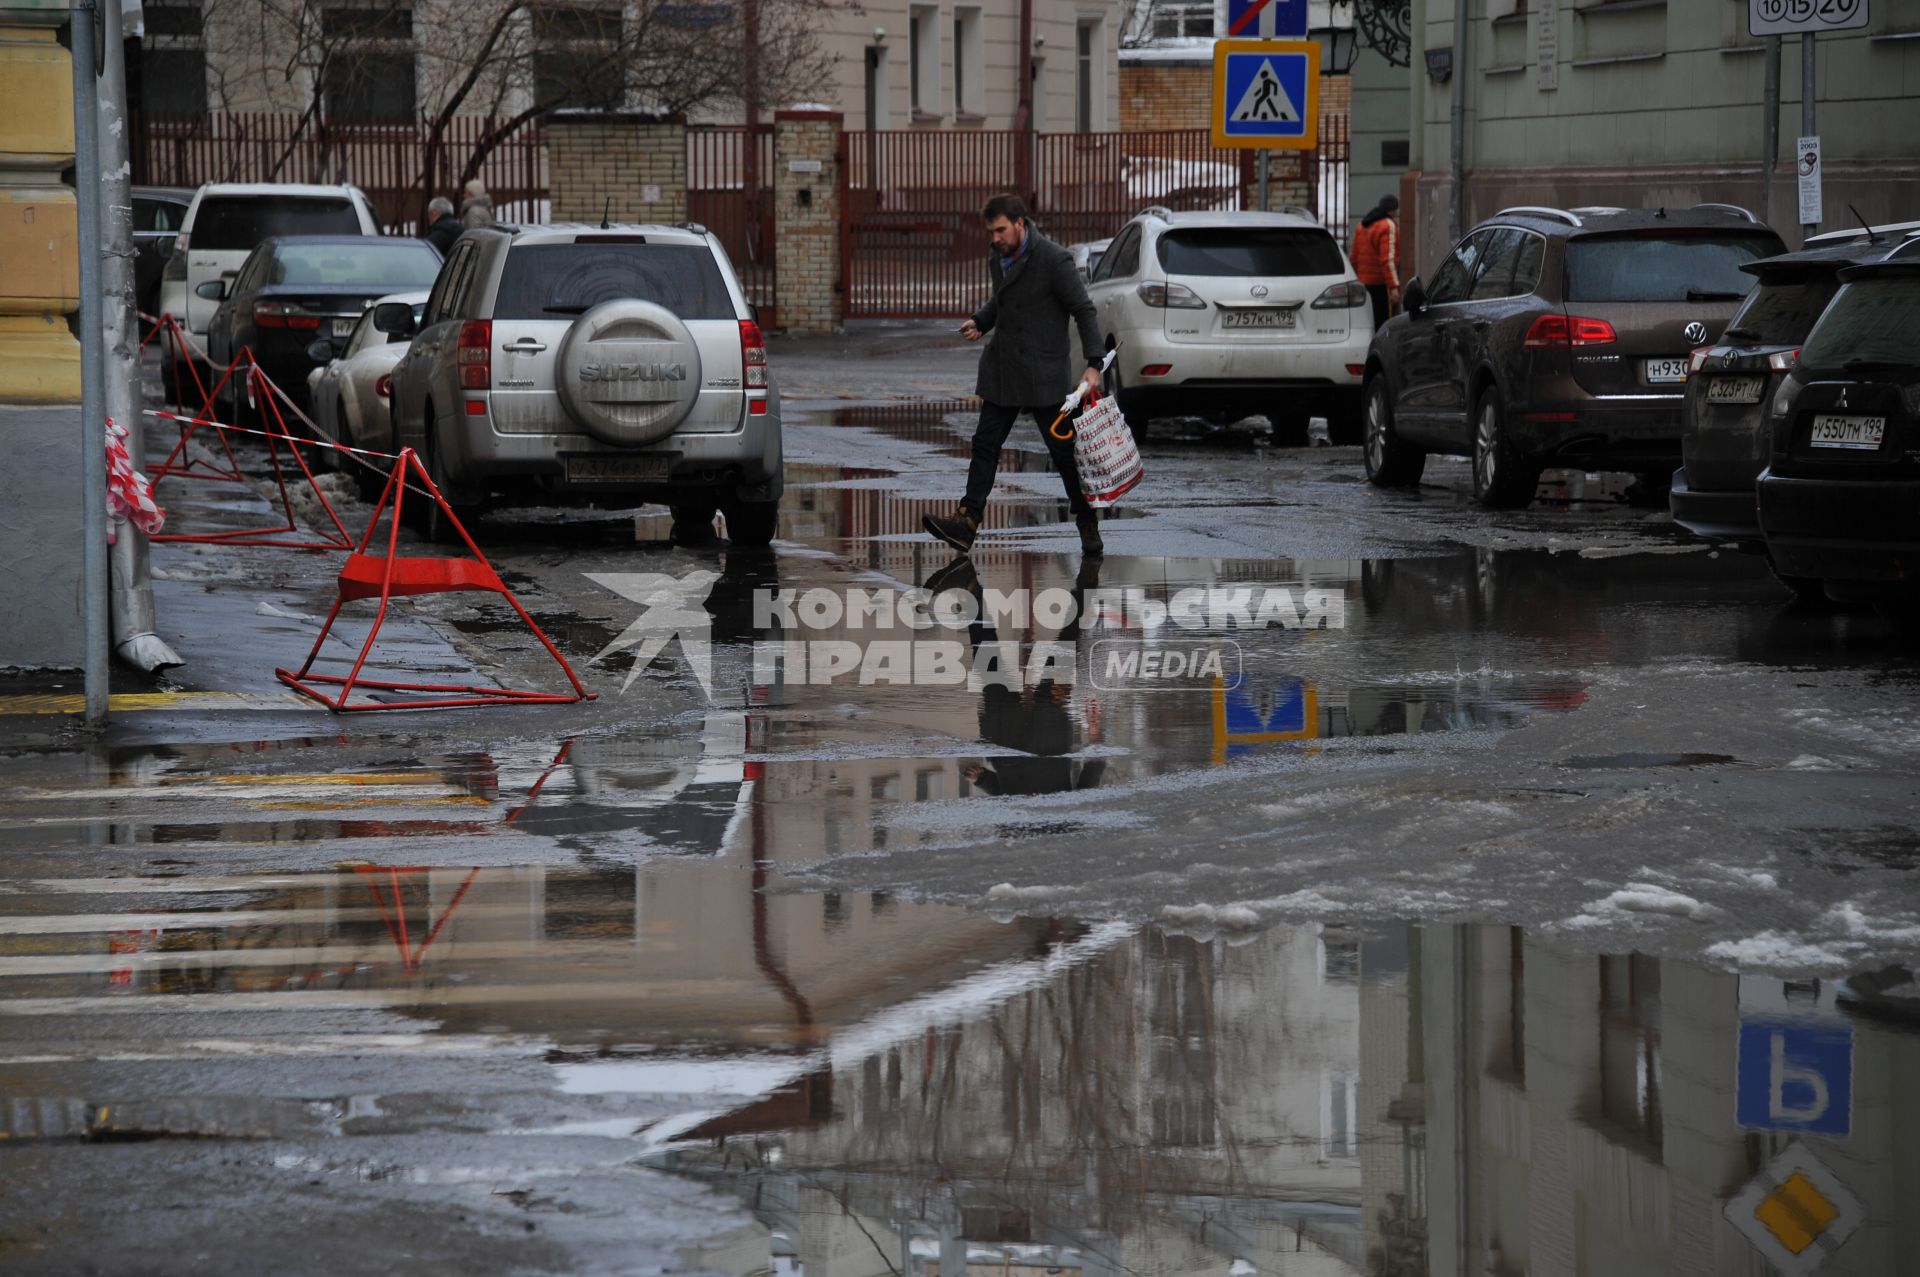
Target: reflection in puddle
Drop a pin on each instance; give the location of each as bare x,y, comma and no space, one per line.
1037,1095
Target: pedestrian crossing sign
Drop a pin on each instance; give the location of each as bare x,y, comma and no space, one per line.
1266,93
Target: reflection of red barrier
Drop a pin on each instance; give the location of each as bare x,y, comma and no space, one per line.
365,576
396,916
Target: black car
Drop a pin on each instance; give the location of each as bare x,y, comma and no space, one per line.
1840,498
295,289
1723,436
158,212
1556,337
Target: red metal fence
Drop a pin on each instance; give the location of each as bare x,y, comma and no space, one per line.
730,192
911,242
386,159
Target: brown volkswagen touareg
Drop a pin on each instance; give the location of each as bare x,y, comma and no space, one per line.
1556,338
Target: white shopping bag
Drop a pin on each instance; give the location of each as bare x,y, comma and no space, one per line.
1103,448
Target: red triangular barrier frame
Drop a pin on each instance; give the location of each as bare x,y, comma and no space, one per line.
179,353
367,576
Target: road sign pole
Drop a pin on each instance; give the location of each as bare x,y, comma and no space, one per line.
1807,128
1771,144
1260,169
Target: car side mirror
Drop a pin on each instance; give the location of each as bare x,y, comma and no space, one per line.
1414,296
394,318
321,351
213,290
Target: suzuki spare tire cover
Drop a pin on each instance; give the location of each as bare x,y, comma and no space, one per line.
628,371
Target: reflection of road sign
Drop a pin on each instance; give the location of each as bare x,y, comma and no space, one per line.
1262,712
1796,1076
1266,93
1796,1212
1792,17
1267,19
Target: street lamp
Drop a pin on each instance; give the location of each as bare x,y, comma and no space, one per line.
1339,46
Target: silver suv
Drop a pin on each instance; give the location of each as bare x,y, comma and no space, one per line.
582,361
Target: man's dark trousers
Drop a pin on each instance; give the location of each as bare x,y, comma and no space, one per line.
996,422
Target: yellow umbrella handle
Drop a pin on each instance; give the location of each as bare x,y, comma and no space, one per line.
1054,429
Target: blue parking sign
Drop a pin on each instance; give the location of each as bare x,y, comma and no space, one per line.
1266,93
1795,1076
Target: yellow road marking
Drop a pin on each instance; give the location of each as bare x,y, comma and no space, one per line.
133,702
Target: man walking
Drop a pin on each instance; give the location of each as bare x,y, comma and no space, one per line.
1024,367
443,227
1376,256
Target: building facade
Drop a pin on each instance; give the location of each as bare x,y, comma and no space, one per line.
1646,103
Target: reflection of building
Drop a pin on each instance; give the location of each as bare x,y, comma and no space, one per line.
1170,1105
1581,1114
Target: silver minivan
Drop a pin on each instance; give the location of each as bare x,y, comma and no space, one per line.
588,362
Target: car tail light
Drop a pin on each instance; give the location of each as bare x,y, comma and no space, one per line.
282,315
1563,332
1177,296
383,385
476,355
177,262
1343,297
1156,370
1783,360
1785,398
476,407
753,355
1698,359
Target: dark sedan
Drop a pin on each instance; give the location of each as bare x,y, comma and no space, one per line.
294,289
158,212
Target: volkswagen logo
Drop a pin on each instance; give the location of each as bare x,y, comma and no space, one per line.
1258,290
1696,333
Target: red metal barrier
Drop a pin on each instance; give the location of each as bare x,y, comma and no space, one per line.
385,576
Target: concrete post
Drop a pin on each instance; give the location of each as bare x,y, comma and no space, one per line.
627,166
806,220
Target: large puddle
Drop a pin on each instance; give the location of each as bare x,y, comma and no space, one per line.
888,1086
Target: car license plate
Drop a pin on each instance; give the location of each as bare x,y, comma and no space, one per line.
616,469
1735,389
1666,370
1861,433
1256,317
343,328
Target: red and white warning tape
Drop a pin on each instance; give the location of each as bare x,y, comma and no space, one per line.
129,495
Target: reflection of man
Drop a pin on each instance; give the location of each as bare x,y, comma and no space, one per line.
1038,720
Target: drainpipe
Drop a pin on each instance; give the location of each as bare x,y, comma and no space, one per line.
130,597
1023,115
1457,159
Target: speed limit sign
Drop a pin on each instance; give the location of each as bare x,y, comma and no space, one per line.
1795,17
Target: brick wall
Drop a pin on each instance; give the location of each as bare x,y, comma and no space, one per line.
629,166
1165,95
806,220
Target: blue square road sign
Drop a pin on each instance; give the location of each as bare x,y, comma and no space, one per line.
1795,1076
1266,94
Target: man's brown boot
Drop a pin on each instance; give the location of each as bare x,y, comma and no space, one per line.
1090,542
957,530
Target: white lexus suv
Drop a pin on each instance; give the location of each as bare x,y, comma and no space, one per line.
609,362
1226,315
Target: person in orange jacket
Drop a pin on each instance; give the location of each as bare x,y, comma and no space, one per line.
1376,256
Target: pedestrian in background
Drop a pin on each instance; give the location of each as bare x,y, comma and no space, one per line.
442,226
1376,256
476,208
1036,290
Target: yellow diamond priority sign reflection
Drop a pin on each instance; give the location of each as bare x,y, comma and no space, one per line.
1796,1212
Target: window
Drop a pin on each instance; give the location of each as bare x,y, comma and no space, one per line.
1086,69
370,66
877,87
1181,19
1663,268
1451,281
1122,257
173,59
1872,319
396,265
557,281
1782,309
242,221
443,284
969,55
1630,1089
1339,1114
1246,251
923,57
1495,279
1180,1060
1040,95
576,57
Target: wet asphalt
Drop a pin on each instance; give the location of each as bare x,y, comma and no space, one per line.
1561,877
